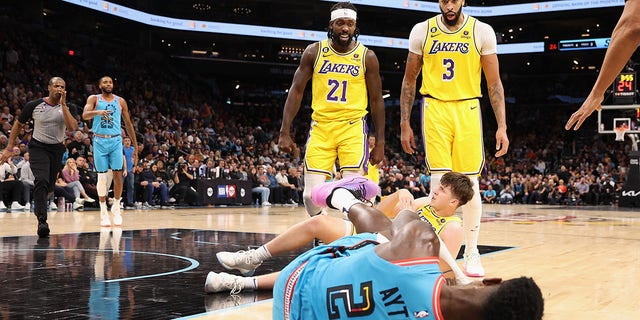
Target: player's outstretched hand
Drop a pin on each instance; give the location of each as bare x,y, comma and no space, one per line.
589,105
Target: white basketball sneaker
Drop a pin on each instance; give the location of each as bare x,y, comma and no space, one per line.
221,282
244,261
472,264
105,221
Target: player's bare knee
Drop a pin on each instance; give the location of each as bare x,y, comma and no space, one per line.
318,222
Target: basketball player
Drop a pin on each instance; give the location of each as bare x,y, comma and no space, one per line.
344,74
455,190
451,49
373,174
51,118
624,41
108,111
357,276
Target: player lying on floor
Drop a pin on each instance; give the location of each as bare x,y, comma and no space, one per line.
344,195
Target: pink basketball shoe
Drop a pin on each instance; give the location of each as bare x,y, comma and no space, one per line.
362,188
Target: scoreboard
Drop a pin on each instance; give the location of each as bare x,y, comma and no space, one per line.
624,88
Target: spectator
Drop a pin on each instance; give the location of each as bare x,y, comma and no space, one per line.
28,181
288,189
11,190
489,195
259,184
507,195
71,177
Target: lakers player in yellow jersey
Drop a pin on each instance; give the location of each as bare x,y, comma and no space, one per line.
345,79
451,50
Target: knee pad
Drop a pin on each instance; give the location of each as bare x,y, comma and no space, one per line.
311,180
110,178
103,184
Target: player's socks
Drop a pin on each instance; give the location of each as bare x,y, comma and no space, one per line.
263,253
343,199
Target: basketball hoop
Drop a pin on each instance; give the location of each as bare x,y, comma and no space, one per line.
620,131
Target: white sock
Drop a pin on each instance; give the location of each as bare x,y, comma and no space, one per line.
250,283
262,253
343,199
116,202
471,215
103,206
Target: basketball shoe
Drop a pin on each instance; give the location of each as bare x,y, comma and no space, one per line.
244,261
361,188
472,264
220,282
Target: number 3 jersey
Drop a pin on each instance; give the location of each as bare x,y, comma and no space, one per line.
347,279
451,68
339,87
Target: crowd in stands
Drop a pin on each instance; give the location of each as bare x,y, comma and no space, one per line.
186,132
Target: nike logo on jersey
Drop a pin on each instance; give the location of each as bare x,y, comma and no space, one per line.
352,122
472,108
326,55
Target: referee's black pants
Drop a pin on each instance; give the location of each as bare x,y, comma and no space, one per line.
46,163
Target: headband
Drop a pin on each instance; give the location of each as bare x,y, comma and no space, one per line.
343,13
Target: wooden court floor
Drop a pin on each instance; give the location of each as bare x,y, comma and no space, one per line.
585,259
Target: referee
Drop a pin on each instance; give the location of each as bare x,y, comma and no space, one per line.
51,117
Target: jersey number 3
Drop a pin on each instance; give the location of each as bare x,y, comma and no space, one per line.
448,64
337,90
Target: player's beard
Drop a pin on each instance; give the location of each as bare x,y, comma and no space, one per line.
105,90
335,38
454,21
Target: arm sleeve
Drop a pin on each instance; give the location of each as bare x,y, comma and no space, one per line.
487,42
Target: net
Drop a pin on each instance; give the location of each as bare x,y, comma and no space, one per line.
620,131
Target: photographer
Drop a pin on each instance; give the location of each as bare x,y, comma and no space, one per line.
183,190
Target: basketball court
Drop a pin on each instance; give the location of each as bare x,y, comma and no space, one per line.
586,260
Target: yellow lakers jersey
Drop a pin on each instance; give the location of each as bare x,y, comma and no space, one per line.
427,213
373,174
338,84
451,68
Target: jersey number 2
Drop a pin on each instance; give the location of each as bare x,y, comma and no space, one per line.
448,65
335,87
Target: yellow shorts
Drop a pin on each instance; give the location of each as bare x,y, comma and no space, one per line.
345,141
452,132
373,174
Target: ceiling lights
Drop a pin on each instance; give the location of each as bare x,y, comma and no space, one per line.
201,6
